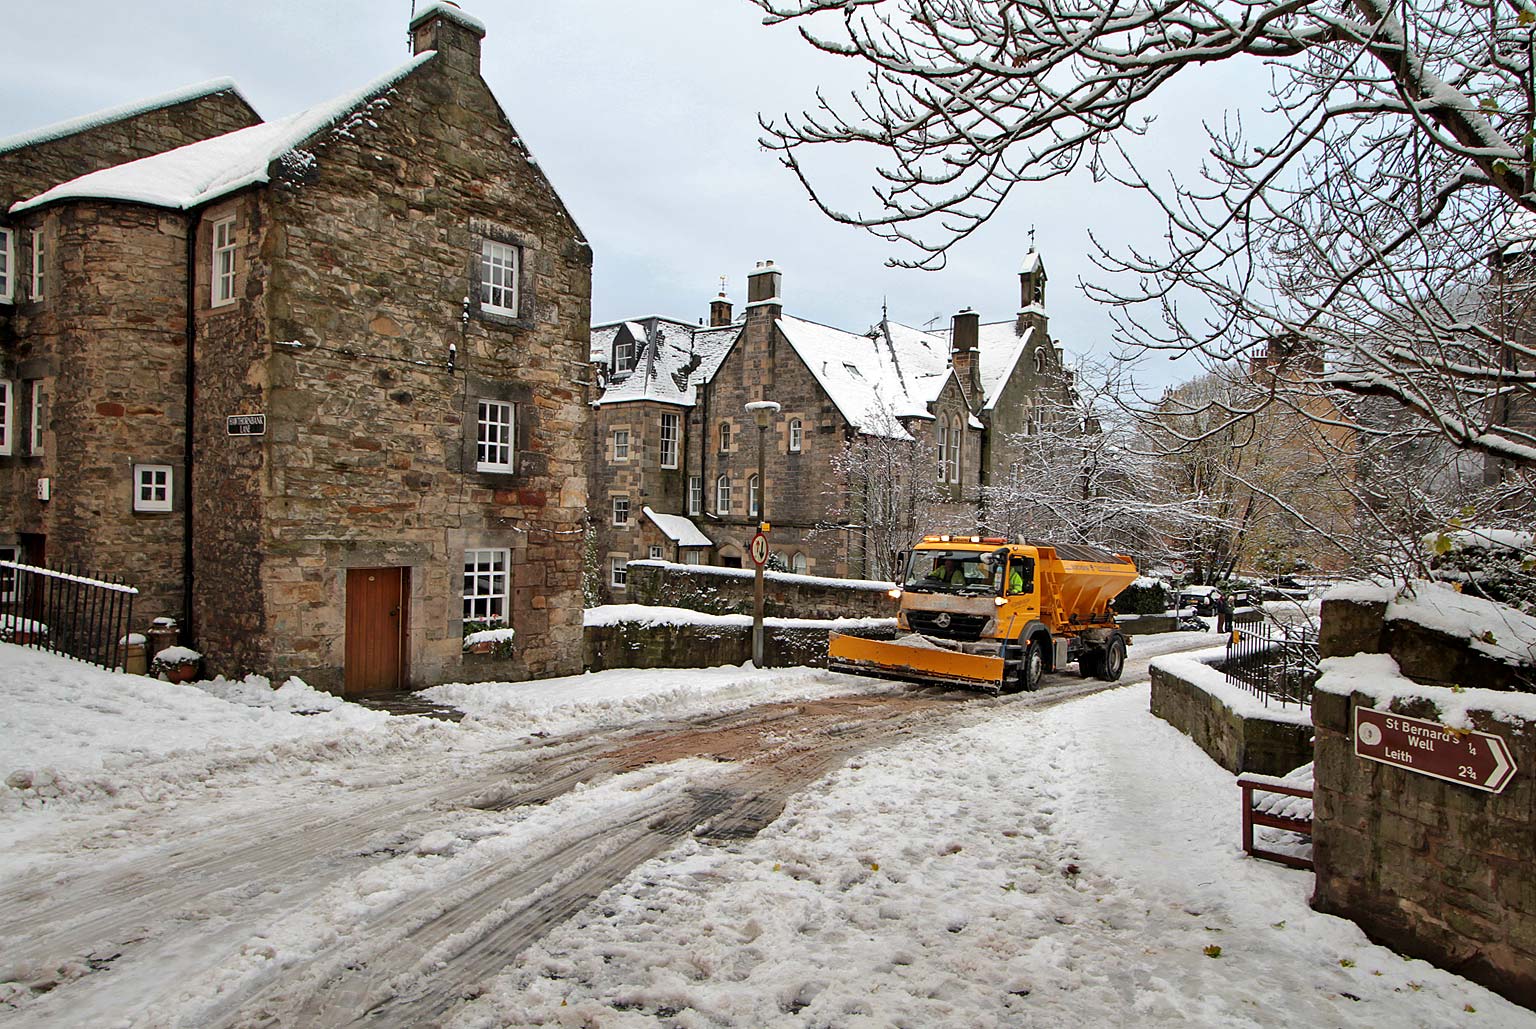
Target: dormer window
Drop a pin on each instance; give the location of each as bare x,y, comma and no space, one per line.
623,353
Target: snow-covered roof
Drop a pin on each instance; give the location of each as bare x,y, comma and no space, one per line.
450,11
195,174
672,358
858,372
678,529
1032,263
1001,348
58,130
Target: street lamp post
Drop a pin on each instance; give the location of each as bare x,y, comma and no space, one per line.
763,410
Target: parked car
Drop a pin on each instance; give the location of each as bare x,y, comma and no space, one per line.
1284,588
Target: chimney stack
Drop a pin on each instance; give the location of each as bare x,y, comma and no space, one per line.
441,25
764,284
720,310
964,355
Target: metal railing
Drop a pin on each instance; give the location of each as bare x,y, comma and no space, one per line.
66,612
1274,662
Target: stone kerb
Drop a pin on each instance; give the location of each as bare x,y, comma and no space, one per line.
1228,723
729,591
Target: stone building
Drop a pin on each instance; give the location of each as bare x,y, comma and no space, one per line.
313,385
674,454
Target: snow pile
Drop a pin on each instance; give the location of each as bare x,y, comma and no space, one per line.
1377,676
1490,628
177,656
491,636
624,696
652,615
91,730
294,696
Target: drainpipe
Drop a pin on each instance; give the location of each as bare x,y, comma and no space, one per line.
194,220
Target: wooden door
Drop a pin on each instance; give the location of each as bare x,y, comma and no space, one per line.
377,616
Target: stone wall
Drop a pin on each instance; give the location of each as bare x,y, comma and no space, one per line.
730,591
633,645
1422,654
1247,741
1430,868
371,457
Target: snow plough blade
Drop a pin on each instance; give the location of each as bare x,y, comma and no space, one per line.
894,659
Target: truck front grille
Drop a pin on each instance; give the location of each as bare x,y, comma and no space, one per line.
959,627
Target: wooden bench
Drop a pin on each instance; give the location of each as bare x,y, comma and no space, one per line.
1285,803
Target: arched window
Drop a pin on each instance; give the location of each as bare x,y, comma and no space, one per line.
723,495
955,436
795,435
798,564
752,496
1040,359
725,436
943,453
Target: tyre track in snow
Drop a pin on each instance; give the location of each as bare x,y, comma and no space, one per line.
414,972
421,958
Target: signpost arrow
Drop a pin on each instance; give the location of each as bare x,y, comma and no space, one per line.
759,549
1480,760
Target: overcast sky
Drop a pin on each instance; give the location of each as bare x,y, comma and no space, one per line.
643,114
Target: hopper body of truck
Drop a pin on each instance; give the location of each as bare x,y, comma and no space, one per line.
985,613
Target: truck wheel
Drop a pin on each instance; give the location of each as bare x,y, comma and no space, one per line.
1033,668
1113,661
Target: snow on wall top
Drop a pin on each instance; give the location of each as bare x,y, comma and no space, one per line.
58,130
450,11
678,529
1377,676
1499,632
195,174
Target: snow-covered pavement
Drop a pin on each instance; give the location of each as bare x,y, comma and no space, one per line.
178,857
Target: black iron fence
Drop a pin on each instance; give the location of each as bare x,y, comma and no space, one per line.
66,612
1274,662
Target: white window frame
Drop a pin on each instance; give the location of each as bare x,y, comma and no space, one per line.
8,552
1040,360
39,257
495,436
500,265
695,494
485,588
36,449
943,452
621,444
956,435
620,506
691,556
723,495
753,492
623,354
671,436
7,417
618,572
7,265
153,487
655,552
222,278
796,435
799,564
725,437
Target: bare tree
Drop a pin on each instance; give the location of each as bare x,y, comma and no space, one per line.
883,493
1358,216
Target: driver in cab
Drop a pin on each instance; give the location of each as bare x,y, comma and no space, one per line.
948,572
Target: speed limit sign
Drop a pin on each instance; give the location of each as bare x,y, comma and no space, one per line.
759,549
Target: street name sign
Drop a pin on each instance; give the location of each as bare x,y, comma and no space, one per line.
246,424
1480,760
760,548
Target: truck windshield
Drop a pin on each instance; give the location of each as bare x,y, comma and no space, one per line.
949,571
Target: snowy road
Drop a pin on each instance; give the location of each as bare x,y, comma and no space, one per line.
613,876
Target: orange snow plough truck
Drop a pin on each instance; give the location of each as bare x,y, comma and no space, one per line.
982,612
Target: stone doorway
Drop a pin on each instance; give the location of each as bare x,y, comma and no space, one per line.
378,616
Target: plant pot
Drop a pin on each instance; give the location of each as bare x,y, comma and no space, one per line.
481,648
184,672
